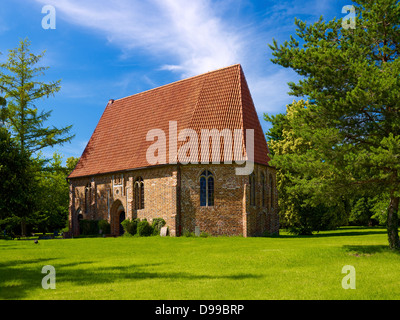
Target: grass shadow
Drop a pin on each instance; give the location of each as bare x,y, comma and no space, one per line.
367,250
18,278
345,232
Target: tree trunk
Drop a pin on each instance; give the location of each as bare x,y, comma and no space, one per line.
23,227
393,223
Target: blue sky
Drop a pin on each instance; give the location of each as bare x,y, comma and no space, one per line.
104,49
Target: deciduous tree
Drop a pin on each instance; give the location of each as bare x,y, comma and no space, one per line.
22,91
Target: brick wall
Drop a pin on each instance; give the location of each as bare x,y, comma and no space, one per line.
112,192
262,218
225,217
232,213
173,193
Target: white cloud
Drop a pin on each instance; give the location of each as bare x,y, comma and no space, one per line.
193,37
269,92
189,35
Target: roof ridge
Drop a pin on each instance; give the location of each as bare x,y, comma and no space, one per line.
241,112
212,100
186,79
197,103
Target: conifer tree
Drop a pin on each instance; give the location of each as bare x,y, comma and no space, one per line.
22,92
350,77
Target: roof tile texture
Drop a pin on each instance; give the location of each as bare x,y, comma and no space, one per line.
215,100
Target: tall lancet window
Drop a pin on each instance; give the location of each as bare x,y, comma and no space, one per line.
139,193
88,191
206,189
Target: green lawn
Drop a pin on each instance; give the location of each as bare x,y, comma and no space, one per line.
285,267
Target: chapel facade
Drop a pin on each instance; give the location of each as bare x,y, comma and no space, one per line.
145,160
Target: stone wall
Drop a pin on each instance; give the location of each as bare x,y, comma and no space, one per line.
232,213
111,192
173,193
226,215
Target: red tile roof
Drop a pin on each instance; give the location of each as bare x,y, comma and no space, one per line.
215,100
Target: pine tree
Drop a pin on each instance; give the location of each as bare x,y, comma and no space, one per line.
351,79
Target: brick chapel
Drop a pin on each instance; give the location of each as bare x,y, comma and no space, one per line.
114,179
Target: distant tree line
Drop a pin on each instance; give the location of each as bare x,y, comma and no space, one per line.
302,209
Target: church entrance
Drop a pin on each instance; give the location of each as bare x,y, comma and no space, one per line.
121,218
118,215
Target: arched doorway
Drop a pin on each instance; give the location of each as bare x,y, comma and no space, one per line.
117,216
121,218
80,217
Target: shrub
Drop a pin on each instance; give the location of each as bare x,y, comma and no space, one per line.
104,226
187,233
157,224
268,234
130,226
144,229
93,227
88,227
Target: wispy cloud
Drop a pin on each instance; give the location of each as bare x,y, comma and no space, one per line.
189,35
269,92
192,37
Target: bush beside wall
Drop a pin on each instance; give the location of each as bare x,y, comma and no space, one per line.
143,228
93,227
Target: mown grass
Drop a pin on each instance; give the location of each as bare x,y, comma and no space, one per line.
155,268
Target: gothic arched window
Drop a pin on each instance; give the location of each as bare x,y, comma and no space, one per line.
87,197
139,193
206,189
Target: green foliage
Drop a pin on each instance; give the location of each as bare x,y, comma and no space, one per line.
71,163
47,192
3,102
88,227
41,201
361,212
104,227
188,234
144,229
304,206
380,208
22,90
52,196
350,126
130,226
93,227
18,185
275,133
157,224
